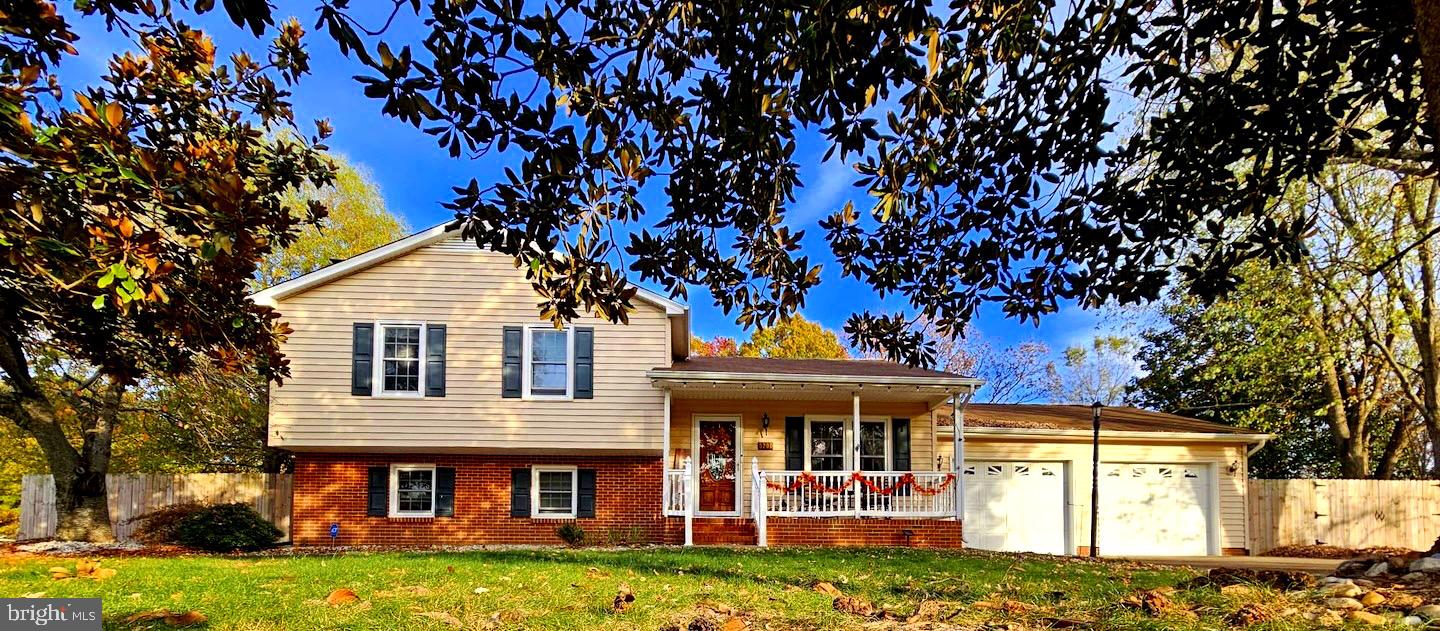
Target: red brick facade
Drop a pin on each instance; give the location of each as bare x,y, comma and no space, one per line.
850,531
331,488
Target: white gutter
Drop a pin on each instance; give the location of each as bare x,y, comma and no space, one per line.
848,381
1082,433
1258,446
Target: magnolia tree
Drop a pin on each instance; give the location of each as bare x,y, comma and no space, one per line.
136,212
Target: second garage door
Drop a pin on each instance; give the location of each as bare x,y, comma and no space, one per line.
1154,509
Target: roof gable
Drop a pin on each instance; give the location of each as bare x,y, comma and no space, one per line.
271,296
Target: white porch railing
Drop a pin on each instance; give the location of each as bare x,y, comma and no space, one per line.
675,489
855,494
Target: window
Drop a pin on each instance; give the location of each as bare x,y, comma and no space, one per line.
827,446
554,489
412,491
874,447
548,360
401,350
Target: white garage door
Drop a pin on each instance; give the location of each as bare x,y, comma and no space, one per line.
1154,509
1015,506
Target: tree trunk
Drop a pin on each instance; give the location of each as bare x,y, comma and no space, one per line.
1427,33
81,509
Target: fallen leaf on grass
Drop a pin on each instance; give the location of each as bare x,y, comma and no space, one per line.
854,605
1012,607
103,573
928,611
170,618
442,617
828,589
60,573
1156,602
34,595
733,624
481,590
342,596
623,597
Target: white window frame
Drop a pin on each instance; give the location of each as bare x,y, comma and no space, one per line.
852,462
395,470
526,367
377,380
535,472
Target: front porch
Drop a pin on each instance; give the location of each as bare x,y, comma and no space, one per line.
810,459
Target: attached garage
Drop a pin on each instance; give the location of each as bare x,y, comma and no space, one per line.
1169,485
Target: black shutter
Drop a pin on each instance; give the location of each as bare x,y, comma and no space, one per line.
519,492
379,492
585,503
511,365
362,359
794,443
900,448
444,491
434,360
584,362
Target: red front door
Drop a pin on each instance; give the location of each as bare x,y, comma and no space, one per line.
717,466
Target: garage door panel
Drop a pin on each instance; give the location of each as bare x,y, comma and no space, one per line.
1015,506
1154,509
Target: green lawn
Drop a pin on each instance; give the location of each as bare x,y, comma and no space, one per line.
562,589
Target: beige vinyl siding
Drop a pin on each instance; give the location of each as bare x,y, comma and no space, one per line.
1077,454
684,411
475,294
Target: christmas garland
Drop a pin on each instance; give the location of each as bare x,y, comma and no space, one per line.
806,479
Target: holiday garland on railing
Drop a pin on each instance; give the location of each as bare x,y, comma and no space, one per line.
806,479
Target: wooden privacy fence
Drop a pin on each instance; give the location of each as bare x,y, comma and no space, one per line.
132,495
1345,513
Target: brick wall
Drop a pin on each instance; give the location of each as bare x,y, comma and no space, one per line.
809,531
331,488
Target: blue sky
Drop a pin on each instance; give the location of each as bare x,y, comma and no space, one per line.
415,176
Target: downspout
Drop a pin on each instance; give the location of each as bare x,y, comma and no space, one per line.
1258,446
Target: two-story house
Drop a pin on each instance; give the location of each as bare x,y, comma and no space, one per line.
429,403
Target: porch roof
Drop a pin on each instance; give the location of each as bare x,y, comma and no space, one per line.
818,379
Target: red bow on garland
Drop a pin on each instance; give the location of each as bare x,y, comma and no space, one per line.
806,479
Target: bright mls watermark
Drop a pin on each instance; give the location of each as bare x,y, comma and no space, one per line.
51,614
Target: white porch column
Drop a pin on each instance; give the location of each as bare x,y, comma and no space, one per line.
690,492
665,457
957,461
855,433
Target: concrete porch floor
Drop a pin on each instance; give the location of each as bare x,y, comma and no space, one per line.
1313,566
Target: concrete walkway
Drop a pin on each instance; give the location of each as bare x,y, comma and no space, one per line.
1313,566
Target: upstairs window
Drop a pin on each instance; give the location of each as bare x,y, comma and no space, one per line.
401,350
548,361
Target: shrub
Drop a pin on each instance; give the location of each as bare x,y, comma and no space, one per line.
9,522
162,524
571,534
227,527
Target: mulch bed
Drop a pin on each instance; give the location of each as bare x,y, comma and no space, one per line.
1335,552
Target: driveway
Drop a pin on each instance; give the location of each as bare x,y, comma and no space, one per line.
1313,566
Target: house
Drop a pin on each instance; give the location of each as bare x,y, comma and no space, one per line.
428,403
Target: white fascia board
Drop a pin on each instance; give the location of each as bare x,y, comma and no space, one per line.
272,295
828,380
948,430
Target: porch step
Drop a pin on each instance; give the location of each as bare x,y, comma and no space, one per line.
725,532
